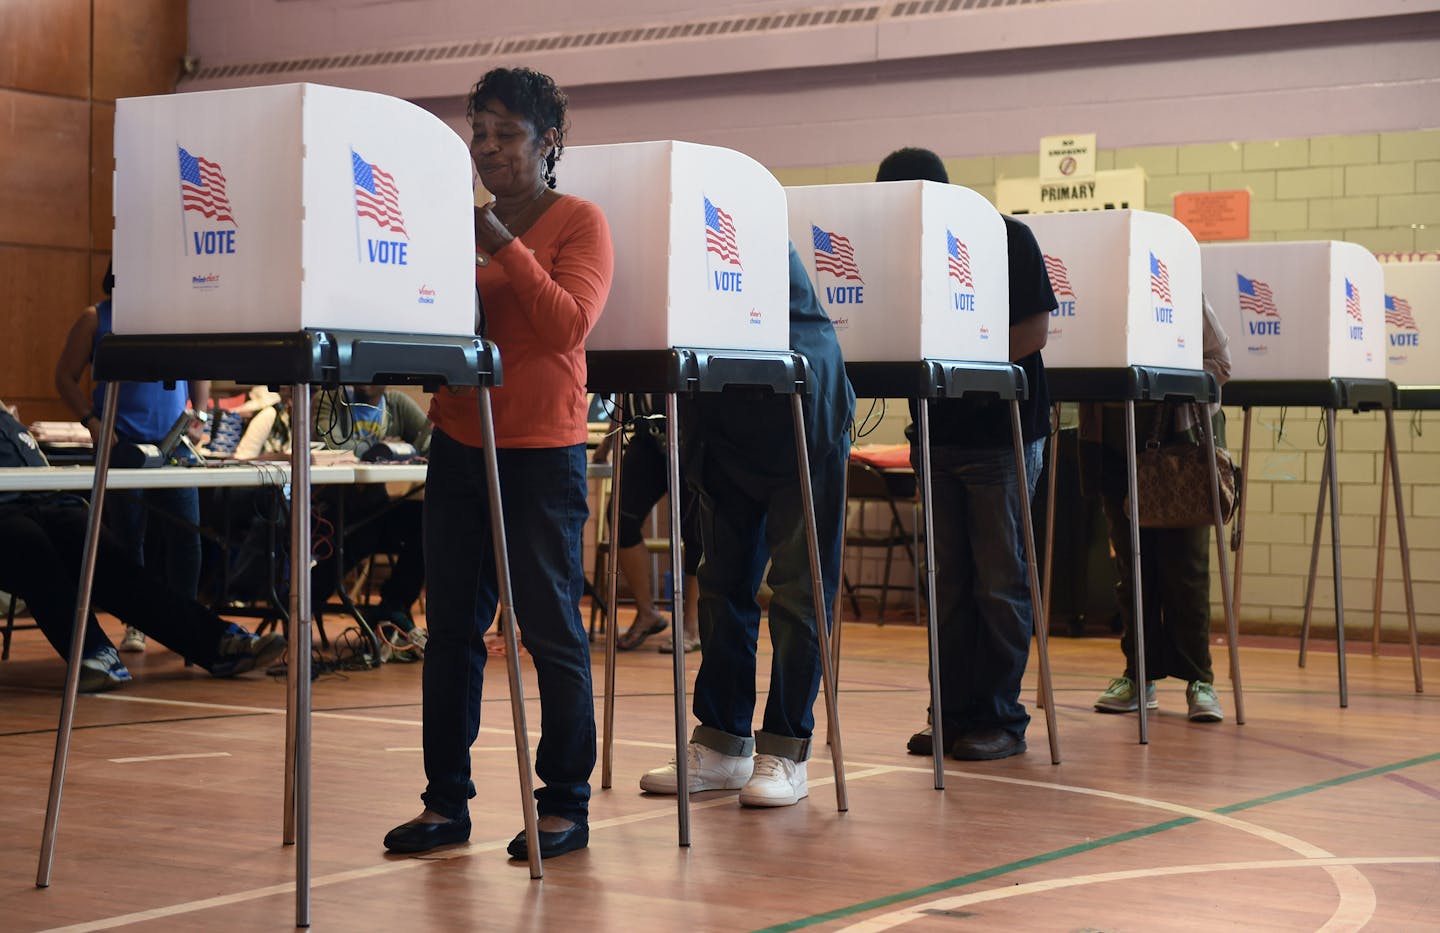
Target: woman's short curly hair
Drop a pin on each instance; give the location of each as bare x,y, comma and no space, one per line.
532,95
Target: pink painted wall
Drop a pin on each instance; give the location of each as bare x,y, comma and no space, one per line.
1142,88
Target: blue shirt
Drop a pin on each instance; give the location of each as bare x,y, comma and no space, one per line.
146,410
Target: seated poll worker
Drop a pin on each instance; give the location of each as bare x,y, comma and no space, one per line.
739,455
982,591
356,418
644,481
544,263
145,412
1174,562
42,535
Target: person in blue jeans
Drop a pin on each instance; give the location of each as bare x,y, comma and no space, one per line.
983,607
739,456
144,415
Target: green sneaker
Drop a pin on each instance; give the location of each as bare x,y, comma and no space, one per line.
1204,704
1119,697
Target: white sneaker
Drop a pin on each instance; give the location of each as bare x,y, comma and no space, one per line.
777,782
134,641
708,770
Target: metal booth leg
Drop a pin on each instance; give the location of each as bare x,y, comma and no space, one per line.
298,669
1052,444
1137,597
77,637
1380,545
1232,632
1404,548
1325,478
511,633
677,627
612,615
836,629
817,589
1042,641
1239,535
937,720
1335,555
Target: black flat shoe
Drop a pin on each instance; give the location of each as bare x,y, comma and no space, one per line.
416,836
552,844
987,745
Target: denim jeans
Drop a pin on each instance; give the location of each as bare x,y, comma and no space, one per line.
127,514
982,592
545,511
40,561
746,519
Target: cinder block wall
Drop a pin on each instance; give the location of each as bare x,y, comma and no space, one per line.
1381,190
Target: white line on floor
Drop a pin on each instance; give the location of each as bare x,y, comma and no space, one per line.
126,761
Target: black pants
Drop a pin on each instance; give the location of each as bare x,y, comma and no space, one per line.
40,552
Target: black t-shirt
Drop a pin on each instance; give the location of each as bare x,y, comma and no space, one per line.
985,422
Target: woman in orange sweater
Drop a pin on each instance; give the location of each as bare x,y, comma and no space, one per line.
543,266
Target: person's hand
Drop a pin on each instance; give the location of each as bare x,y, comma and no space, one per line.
92,424
602,451
490,234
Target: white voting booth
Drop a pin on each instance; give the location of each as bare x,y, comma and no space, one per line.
1298,310
274,209
1412,313
906,270
700,252
1128,288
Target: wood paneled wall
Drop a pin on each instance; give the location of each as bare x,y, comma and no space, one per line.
63,63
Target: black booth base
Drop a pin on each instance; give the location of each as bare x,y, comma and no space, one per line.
689,370
936,379
1339,394
1417,398
313,357
1130,383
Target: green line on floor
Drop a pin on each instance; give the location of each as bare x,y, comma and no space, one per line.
1083,847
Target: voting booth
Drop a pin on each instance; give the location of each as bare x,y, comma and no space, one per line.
700,252
1127,285
1412,314
275,209
1310,310
906,270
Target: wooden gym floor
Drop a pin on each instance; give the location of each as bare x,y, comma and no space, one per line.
1308,817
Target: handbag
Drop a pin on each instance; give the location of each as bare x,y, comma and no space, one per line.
1173,480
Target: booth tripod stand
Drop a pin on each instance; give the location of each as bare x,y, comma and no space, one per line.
301,359
695,371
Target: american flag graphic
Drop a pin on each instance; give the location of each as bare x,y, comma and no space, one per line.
1352,302
1059,277
959,260
720,234
1256,296
376,196
202,187
1398,313
1160,280
834,254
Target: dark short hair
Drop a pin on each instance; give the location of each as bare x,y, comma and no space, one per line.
108,283
912,164
531,95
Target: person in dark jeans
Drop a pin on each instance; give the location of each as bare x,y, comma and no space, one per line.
41,539
738,454
984,611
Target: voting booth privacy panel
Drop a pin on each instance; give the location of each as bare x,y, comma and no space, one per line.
277,209
700,250
1127,284
1298,310
906,270
1412,315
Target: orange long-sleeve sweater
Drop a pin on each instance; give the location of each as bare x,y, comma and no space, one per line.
542,296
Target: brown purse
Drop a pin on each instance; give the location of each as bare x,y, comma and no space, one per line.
1173,480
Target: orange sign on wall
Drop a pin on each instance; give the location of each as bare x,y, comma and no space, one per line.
1215,215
